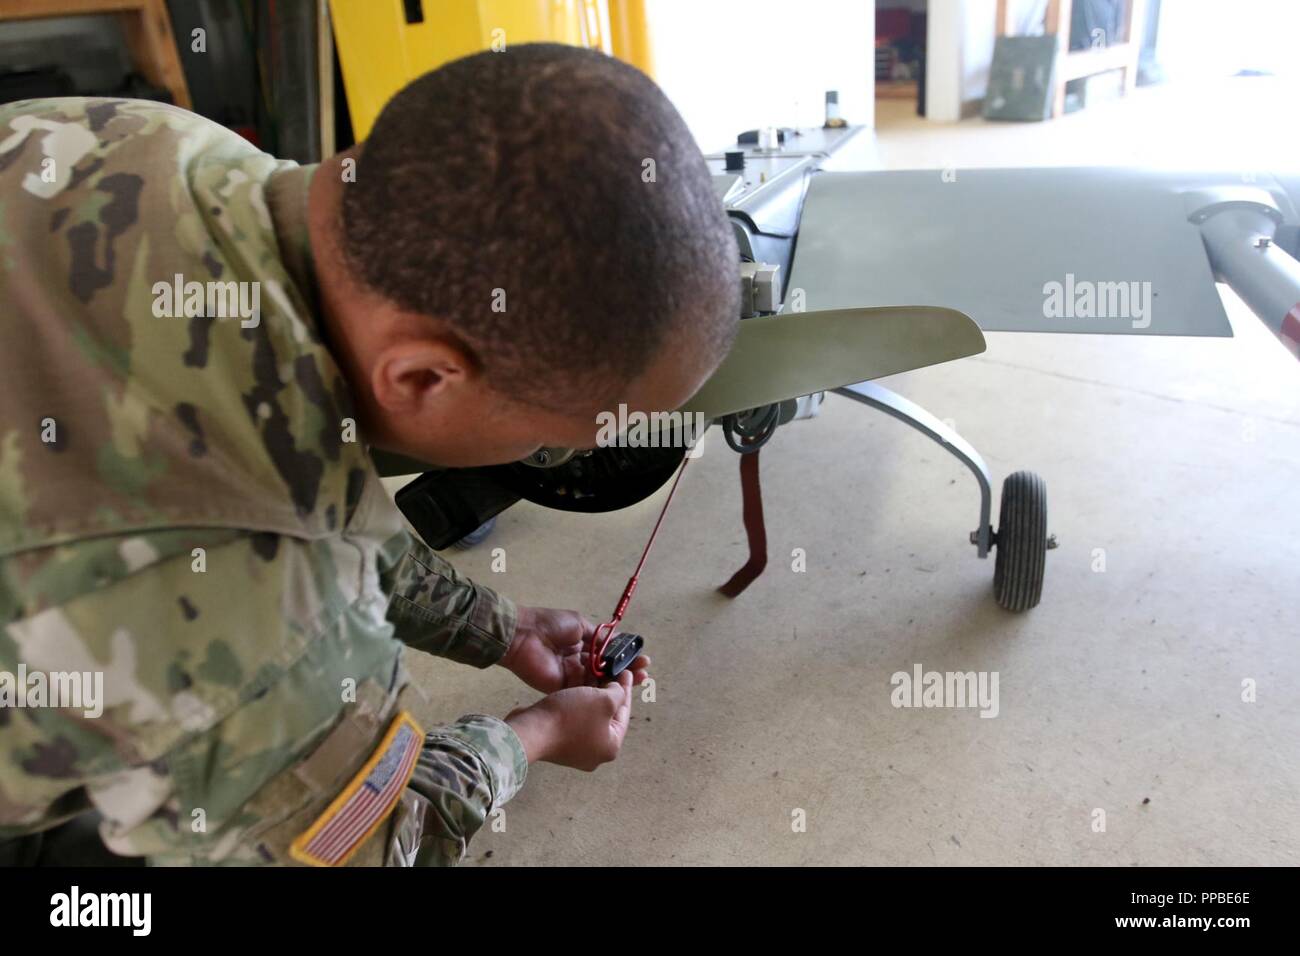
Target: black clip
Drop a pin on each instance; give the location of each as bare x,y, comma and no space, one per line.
621,651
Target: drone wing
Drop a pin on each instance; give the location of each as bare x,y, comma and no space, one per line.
1101,250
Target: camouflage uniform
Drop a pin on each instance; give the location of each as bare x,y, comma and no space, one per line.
181,510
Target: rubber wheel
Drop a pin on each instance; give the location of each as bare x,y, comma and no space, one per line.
477,536
1021,542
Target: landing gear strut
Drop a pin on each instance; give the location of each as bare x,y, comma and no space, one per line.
1022,540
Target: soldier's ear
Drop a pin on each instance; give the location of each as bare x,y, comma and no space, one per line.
410,374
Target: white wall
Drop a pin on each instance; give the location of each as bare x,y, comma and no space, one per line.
943,53
732,65
1205,38
980,18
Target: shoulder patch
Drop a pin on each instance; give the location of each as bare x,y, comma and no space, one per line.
366,801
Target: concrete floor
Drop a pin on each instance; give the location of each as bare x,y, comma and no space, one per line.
1179,458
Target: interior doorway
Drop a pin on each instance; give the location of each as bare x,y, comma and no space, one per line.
900,51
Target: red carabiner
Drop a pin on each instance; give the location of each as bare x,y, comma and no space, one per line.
599,643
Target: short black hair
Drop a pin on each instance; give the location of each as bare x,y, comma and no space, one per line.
565,178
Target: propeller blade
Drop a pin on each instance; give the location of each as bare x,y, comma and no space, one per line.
797,353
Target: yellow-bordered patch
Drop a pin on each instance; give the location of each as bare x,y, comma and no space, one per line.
366,801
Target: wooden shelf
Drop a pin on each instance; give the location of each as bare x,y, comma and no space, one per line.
1077,64
145,23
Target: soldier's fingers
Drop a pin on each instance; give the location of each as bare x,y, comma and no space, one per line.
613,691
576,673
564,630
580,624
585,676
624,712
568,638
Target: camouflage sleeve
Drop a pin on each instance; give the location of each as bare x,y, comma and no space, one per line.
437,610
466,771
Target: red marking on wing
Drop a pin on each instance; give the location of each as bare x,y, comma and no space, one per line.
1290,331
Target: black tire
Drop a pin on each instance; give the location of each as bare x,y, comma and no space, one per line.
1021,542
477,536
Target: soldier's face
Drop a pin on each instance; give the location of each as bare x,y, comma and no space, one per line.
464,422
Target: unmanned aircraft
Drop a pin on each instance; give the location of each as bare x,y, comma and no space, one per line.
1078,250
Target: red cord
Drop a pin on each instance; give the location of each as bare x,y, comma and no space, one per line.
598,644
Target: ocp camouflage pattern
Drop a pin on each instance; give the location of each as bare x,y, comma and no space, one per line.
181,510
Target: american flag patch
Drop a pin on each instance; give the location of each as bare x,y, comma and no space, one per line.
366,801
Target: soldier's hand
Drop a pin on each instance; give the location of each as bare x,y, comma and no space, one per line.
549,650
580,727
